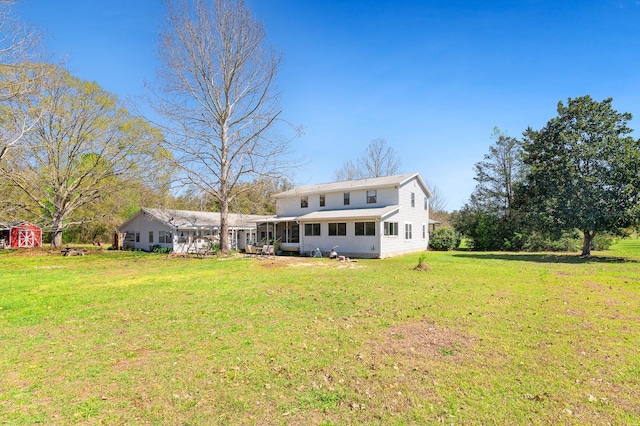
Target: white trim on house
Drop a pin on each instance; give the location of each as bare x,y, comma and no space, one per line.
187,230
350,214
324,208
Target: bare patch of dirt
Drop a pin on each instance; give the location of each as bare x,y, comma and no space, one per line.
136,359
270,263
423,339
305,262
404,360
422,267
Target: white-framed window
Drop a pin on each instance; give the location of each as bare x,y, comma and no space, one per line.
365,228
165,237
347,198
426,203
312,229
391,228
323,200
304,202
338,228
372,196
408,231
137,237
424,231
413,199
151,236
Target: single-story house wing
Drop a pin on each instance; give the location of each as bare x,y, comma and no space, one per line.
183,231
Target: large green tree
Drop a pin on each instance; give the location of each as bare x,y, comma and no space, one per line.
498,174
489,218
81,149
583,171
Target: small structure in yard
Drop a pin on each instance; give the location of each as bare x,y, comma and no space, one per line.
20,235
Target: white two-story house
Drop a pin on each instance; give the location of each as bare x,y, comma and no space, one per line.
365,218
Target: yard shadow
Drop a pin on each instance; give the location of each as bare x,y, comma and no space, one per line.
543,257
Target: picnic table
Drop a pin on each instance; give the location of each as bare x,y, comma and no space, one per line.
68,251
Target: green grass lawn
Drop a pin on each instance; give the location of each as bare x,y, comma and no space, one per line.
123,338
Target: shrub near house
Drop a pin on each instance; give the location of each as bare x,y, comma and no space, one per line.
444,239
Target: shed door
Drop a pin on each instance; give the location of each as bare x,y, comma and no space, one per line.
26,238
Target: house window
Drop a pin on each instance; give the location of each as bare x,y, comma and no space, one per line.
424,231
312,229
322,200
151,236
426,203
165,237
338,228
365,228
304,202
408,231
137,237
413,199
347,196
372,196
391,228
182,239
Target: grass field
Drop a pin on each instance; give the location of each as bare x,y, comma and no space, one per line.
122,338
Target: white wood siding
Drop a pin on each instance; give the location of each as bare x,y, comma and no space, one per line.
348,245
363,246
142,225
416,216
290,206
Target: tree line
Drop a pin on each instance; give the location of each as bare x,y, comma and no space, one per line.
75,159
577,177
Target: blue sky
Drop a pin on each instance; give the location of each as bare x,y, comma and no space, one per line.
433,78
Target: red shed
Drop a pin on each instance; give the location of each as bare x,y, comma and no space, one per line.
19,235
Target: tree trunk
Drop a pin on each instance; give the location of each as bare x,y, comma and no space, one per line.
56,235
224,225
586,245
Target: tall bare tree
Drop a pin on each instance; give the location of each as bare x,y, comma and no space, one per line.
217,94
377,160
79,152
19,75
438,201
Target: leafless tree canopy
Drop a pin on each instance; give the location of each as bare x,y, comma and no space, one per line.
218,98
438,201
377,160
19,77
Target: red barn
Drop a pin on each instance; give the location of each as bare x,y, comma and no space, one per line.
19,235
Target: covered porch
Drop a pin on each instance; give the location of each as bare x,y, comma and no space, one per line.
281,232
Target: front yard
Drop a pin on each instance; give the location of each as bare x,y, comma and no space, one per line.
131,338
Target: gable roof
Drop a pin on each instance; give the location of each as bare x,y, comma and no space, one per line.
369,183
188,219
9,225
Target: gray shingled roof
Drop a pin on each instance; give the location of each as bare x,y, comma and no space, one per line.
187,219
350,214
378,182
